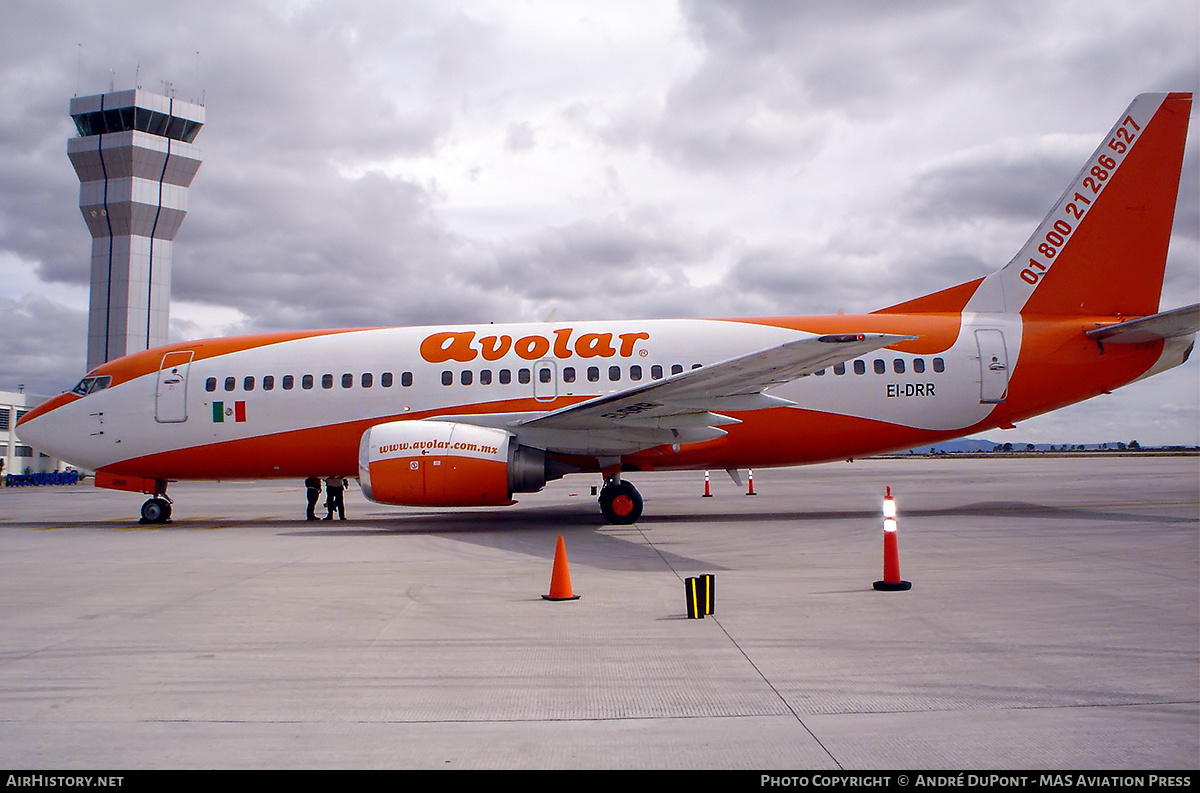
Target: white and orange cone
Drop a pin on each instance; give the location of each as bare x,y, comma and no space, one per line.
891,549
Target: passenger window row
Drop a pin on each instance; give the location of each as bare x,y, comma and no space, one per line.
307,382
879,366
568,374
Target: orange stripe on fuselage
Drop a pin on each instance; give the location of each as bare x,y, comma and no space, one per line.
142,363
53,403
935,332
138,364
329,450
952,301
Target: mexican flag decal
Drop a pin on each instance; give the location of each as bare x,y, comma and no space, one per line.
234,411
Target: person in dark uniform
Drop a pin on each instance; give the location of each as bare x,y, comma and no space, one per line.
334,486
312,486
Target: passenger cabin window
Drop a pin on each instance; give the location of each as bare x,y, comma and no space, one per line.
306,382
289,382
209,385
268,382
939,365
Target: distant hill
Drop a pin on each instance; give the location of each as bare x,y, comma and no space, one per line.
983,445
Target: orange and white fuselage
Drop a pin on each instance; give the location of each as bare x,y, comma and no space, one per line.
288,406
502,406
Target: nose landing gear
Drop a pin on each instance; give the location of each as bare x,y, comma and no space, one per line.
156,510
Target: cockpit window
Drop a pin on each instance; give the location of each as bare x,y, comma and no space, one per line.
90,385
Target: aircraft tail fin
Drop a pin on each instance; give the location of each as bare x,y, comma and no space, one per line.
1102,250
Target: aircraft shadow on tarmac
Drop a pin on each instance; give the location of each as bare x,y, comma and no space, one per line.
582,517
1014,510
528,527
529,531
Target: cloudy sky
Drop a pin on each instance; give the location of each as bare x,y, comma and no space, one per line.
412,162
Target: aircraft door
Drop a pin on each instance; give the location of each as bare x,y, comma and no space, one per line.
545,380
170,397
993,366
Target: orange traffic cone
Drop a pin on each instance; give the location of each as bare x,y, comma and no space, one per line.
560,578
750,492
707,486
891,550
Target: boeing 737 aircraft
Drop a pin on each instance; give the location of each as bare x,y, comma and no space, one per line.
461,415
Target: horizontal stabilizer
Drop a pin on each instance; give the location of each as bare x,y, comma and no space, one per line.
1166,325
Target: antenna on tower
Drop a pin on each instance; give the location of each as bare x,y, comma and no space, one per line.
198,89
137,76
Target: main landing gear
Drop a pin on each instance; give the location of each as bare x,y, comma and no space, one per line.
620,502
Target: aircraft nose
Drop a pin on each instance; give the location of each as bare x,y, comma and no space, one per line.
41,429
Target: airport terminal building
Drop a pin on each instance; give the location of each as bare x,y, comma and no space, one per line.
18,457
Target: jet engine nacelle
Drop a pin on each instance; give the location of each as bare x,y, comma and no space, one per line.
446,464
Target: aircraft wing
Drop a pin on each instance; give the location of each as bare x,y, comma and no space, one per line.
1166,325
686,408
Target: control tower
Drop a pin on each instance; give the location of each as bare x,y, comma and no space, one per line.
135,160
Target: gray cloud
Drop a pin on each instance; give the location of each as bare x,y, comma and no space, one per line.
427,162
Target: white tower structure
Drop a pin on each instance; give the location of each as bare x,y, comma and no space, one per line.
135,160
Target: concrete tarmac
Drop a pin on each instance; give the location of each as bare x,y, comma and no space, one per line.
1053,623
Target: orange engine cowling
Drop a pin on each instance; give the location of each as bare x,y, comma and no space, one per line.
446,464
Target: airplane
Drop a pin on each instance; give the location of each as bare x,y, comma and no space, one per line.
471,415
